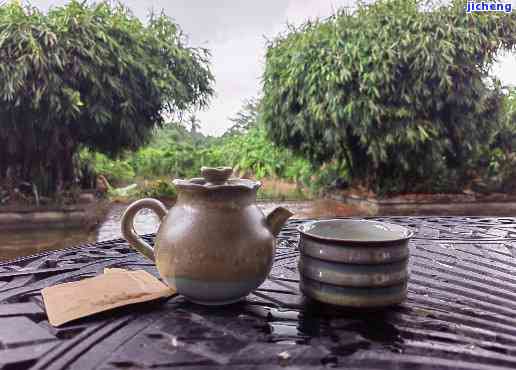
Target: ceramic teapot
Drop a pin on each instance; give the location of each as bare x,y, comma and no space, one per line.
214,246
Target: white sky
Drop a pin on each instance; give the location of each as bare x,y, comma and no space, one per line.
235,32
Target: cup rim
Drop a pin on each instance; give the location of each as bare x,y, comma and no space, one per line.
400,233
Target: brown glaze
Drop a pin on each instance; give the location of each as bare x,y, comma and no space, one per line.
225,241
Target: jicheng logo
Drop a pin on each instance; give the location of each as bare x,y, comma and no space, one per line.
486,6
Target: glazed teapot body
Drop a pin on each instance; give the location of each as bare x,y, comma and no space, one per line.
215,245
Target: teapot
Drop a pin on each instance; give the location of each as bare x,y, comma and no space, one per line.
214,246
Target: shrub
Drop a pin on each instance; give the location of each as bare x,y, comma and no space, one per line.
399,96
157,189
88,76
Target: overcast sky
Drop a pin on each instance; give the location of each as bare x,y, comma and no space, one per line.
235,32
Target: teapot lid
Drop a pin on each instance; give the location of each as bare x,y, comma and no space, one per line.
215,178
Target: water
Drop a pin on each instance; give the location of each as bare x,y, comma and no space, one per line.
26,242
145,222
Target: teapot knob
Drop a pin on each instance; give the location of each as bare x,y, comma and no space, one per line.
216,175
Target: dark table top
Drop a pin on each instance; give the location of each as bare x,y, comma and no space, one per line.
460,312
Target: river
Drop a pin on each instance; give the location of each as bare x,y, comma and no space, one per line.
26,242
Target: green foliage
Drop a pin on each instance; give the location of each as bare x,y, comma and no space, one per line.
509,106
89,76
399,96
501,153
177,160
174,132
157,189
118,172
179,152
176,152
248,117
250,153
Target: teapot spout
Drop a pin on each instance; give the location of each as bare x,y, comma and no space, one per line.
276,219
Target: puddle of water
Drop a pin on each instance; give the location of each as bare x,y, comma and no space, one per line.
511,247
447,265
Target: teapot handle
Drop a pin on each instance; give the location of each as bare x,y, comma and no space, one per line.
128,231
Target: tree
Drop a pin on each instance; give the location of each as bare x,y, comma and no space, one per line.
400,95
89,76
246,118
193,124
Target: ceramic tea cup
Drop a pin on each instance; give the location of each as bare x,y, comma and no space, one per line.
354,263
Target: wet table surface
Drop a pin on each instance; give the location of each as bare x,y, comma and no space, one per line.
460,312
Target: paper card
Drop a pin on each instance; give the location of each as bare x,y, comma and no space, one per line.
115,288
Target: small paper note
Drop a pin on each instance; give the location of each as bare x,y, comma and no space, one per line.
115,288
